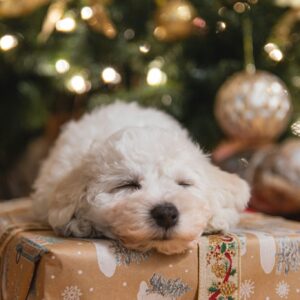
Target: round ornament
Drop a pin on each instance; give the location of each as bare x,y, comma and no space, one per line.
253,106
16,8
174,20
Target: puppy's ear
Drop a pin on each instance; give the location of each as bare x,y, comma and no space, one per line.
67,206
229,195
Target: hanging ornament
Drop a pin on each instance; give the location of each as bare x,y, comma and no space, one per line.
98,19
54,14
17,8
94,14
253,106
291,3
174,20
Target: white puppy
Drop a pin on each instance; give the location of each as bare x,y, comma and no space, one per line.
133,174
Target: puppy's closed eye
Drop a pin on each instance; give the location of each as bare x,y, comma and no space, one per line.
184,183
128,185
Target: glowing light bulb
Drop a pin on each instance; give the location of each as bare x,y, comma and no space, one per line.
78,84
269,47
62,66
86,13
276,55
184,13
145,48
156,76
221,26
66,24
110,75
8,42
239,7
129,34
296,128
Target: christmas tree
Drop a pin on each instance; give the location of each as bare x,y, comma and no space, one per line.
60,58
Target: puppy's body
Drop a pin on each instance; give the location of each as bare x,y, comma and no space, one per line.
133,174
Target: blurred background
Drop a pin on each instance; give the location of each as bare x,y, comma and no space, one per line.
227,70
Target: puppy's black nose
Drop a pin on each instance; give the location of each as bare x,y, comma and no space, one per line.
165,215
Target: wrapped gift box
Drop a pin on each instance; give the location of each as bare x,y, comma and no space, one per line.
258,260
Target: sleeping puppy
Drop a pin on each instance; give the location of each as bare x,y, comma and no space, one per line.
133,174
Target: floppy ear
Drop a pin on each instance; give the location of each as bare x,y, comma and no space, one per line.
229,195
68,204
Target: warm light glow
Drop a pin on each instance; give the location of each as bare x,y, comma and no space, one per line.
62,66
276,55
145,48
239,7
269,47
199,22
86,13
129,34
273,51
110,75
67,24
156,76
296,128
8,42
160,32
221,26
184,12
78,84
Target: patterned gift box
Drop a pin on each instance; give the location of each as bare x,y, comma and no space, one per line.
258,260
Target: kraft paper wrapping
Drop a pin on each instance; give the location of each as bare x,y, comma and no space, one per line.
258,260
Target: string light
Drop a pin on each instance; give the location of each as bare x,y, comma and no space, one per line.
62,66
276,55
158,62
8,42
184,13
145,48
199,22
296,81
221,26
110,75
166,100
78,84
129,34
273,51
86,13
156,76
269,47
296,128
66,24
239,7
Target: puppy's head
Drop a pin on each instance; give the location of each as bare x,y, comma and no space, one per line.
149,188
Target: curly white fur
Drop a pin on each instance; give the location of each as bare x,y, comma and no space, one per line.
81,189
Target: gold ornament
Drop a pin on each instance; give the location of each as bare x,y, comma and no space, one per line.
253,106
285,3
219,270
95,16
17,8
174,20
55,12
99,19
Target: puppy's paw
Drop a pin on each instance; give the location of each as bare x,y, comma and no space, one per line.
222,220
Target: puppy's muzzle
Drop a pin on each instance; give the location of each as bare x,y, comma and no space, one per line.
166,215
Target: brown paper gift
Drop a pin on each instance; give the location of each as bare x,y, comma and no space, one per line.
258,260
